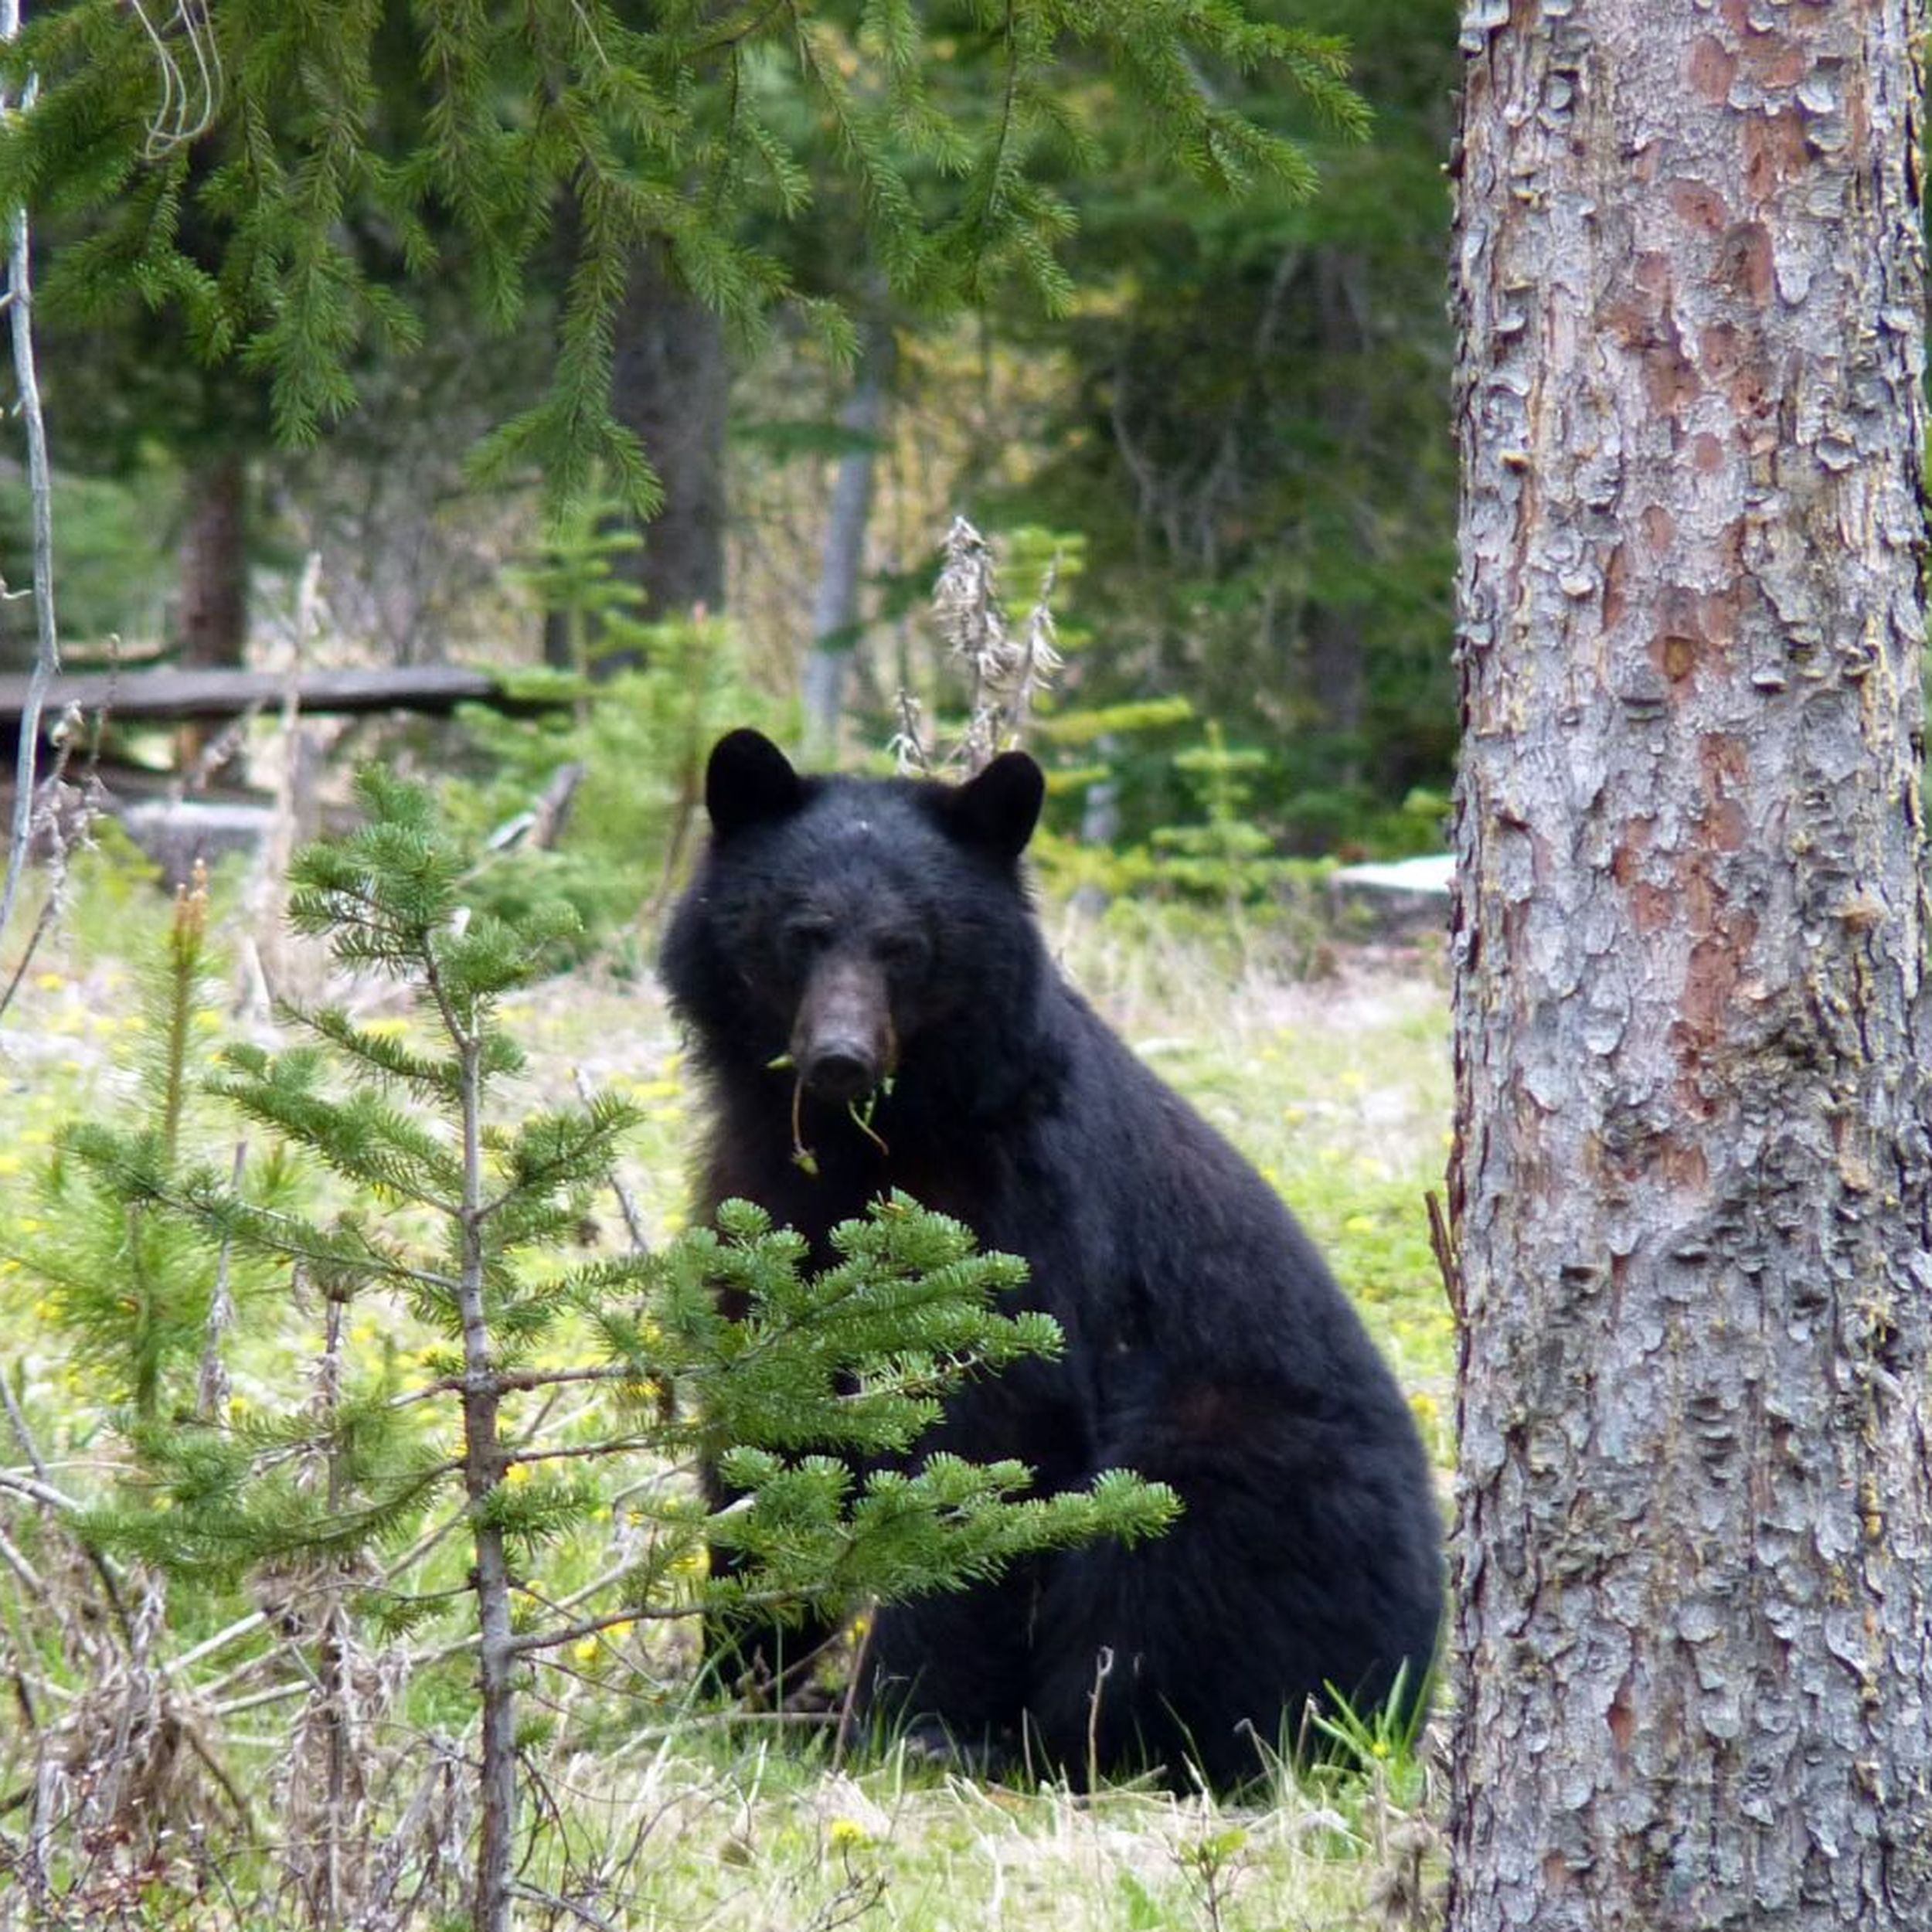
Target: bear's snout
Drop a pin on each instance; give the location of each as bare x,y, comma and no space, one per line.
842,1071
841,1042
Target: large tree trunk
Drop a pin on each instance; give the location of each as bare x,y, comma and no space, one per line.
1691,1182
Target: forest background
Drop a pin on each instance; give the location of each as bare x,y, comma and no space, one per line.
1228,423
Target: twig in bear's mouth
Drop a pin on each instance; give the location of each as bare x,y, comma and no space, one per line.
862,1116
802,1156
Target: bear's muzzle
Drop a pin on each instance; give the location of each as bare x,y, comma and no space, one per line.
841,1041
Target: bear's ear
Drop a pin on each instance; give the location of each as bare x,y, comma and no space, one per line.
748,781
998,807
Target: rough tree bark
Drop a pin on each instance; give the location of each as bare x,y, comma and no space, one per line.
1691,1185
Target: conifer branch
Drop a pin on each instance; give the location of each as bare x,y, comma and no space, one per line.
645,117
820,1374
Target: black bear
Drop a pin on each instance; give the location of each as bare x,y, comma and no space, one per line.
852,930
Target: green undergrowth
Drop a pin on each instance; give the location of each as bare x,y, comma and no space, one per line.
771,1838
1335,1082
661,1812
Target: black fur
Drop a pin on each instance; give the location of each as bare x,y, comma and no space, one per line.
1207,1345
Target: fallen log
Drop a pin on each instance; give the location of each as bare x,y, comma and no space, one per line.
186,695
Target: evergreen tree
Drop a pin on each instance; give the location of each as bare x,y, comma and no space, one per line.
441,1212
136,1292
246,166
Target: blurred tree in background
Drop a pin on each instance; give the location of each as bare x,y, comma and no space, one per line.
1252,440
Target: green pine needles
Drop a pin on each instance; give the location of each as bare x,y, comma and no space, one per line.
280,172
495,1481
133,1287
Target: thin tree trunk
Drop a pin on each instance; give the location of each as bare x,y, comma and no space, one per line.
670,384
214,564
483,1472
1691,1185
47,656
214,591
835,611
496,1667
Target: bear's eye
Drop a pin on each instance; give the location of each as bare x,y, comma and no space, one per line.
806,936
900,952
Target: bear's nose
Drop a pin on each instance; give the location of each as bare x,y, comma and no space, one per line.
840,1071
841,1041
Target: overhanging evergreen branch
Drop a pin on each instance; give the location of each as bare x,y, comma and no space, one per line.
652,125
